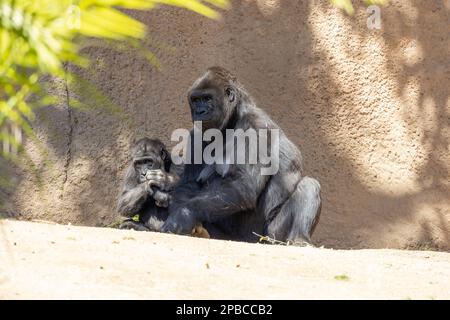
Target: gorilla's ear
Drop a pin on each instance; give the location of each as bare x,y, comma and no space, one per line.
230,92
165,155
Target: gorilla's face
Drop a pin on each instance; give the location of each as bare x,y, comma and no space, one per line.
144,164
149,155
207,106
211,104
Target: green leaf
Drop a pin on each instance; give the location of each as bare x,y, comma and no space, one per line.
346,5
39,37
195,6
375,2
128,4
110,23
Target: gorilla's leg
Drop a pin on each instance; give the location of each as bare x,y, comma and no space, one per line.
215,232
135,225
154,223
297,218
153,218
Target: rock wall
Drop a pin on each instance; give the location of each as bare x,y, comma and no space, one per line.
370,110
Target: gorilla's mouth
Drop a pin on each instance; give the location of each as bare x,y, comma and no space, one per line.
201,112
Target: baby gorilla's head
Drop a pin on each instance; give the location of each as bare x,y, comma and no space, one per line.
149,154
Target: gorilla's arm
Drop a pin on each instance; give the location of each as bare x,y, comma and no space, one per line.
221,198
166,181
131,201
133,195
161,183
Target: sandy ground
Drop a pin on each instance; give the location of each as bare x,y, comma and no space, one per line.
48,261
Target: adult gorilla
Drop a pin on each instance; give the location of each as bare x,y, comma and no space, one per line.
235,201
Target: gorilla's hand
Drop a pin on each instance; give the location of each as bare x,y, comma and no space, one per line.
148,188
161,198
161,179
182,221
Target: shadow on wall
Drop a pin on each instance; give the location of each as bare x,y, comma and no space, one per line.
414,51
368,108
412,77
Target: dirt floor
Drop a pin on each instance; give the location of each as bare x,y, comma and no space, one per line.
46,261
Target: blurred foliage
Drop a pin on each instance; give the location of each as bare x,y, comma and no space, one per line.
37,37
347,5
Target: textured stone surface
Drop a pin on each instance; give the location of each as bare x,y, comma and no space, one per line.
370,110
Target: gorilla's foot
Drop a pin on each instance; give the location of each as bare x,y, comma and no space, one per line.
130,224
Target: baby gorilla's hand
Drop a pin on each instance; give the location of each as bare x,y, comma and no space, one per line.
157,178
161,198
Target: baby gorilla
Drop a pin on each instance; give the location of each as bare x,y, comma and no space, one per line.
146,188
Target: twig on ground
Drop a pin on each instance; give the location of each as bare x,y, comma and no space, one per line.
269,239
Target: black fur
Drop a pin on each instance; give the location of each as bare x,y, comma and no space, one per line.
236,199
146,186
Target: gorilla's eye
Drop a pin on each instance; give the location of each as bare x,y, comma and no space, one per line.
148,161
195,99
